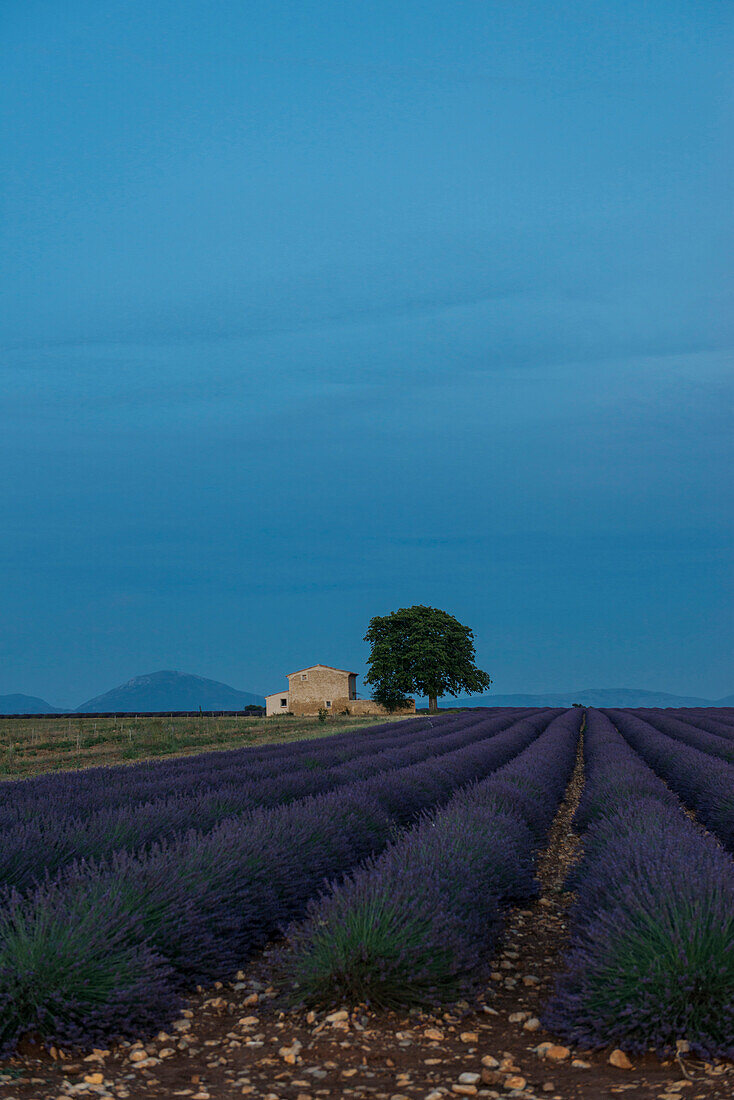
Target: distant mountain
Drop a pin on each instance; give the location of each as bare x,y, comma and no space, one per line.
167,691
26,704
595,697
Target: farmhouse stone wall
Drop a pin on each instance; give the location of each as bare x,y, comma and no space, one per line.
334,689
273,703
319,684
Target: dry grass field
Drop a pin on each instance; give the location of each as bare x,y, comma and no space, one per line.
29,746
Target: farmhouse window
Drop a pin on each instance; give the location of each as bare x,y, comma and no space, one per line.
304,676
328,702
284,702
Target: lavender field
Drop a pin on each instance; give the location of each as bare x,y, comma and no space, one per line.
379,868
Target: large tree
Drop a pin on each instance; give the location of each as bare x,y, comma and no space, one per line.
423,650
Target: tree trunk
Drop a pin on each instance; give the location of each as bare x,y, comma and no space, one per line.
433,703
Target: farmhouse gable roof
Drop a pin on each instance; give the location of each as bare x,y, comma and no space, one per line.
330,667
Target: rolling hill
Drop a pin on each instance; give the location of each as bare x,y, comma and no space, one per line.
26,704
593,697
170,691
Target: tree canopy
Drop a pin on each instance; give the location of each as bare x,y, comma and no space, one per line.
422,650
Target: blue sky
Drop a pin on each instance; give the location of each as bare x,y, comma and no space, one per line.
311,311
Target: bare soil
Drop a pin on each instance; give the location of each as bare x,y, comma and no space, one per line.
240,1039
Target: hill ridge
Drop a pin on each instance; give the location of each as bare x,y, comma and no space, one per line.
26,704
595,697
169,689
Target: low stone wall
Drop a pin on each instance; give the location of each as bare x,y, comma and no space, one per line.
338,707
369,706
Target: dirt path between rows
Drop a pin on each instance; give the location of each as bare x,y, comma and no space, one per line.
238,1040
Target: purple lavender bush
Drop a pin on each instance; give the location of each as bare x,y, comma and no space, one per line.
415,926
652,926
40,843
692,735
704,783
614,780
199,905
80,793
418,924
652,957
73,979
717,720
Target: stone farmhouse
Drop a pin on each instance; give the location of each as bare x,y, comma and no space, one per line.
318,686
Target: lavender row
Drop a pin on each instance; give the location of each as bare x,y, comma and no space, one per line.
694,736
131,780
722,715
417,925
704,783
81,794
712,721
104,951
33,849
651,959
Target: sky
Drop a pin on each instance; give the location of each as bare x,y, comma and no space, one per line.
312,311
